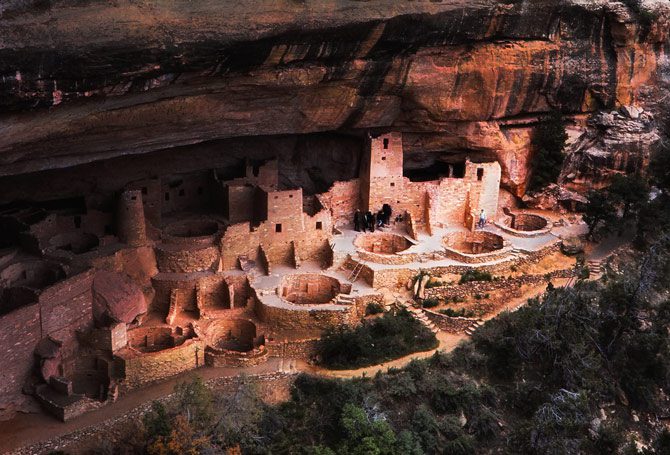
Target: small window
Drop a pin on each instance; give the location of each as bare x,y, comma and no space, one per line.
77,222
144,190
277,227
392,183
290,196
480,174
167,196
199,191
133,198
386,143
319,226
182,192
276,197
383,158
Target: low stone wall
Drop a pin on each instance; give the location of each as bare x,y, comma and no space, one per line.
301,318
449,324
294,349
74,407
400,276
226,358
479,258
393,259
144,368
480,287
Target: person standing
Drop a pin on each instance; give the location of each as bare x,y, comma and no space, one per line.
386,208
370,221
482,219
358,218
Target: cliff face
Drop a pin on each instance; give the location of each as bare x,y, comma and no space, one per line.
83,81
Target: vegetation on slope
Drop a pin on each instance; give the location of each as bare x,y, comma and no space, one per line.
375,341
571,372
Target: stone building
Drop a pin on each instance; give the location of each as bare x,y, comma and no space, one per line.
448,201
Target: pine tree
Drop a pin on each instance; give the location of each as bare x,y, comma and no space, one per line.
548,142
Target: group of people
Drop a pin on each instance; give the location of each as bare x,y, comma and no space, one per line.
369,221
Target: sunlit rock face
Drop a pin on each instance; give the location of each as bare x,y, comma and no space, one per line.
85,81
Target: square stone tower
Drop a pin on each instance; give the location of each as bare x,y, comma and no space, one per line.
381,172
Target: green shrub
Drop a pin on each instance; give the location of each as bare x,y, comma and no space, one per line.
434,284
475,275
430,303
375,341
458,313
374,308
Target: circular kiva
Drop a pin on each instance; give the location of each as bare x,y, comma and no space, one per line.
309,288
382,243
479,242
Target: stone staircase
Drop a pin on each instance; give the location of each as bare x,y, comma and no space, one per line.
419,315
596,267
470,330
344,299
517,253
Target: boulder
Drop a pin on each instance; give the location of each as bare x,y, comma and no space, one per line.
631,112
572,246
116,298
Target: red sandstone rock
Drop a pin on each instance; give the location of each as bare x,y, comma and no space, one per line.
50,367
116,298
48,352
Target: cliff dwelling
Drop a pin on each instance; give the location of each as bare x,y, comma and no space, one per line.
268,197
180,271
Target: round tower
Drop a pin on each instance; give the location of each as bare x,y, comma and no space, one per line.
131,227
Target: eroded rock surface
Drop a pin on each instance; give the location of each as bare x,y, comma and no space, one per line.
92,80
116,298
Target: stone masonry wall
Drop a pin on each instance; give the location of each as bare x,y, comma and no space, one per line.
19,334
178,260
342,200
144,368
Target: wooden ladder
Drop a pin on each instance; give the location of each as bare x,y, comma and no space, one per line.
355,272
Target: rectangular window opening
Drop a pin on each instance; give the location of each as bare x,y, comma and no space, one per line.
319,225
167,196
386,143
277,227
480,174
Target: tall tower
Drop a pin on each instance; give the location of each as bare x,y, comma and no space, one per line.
381,171
131,227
